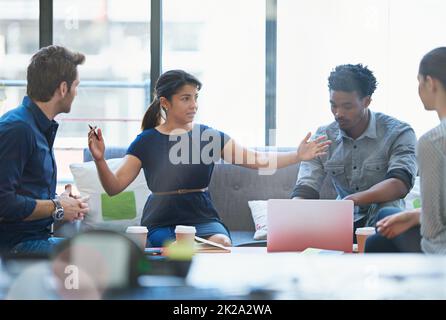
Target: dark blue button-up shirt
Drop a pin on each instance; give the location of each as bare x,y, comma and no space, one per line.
27,172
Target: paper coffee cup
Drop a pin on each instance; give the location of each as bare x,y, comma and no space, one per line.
361,236
138,234
185,234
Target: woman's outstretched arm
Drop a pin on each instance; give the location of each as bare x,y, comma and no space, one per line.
237,154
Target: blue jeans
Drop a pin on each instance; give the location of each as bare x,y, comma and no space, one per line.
409,241
158,236
44,247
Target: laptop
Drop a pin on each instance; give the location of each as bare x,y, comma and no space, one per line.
295,225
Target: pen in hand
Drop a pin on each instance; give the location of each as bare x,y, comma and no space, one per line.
94,131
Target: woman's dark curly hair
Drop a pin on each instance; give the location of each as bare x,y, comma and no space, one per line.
349,78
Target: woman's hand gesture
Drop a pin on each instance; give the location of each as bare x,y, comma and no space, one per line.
309,150
96,144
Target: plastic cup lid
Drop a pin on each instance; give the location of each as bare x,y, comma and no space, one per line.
185,229
137,229
365,231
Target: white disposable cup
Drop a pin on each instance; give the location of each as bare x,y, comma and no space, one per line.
138,234
361,236
185,234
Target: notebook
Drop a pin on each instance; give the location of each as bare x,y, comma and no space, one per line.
313,251
207,246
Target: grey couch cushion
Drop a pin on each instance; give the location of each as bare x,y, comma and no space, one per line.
231,188
110,153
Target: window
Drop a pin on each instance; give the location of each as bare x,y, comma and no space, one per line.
223,44
19,38
388,36
114,91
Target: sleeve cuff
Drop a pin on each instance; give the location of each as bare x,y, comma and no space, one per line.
403,175
30,205
22,209
305,192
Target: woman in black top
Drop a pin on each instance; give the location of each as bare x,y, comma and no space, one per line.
178,158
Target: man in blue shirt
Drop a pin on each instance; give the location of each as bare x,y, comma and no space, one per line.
28,174
372,156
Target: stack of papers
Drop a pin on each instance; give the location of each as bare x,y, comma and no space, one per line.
203,245
310,251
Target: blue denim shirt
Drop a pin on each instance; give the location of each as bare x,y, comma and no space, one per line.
385,150
27,172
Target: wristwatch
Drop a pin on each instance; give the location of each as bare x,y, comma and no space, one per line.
57,214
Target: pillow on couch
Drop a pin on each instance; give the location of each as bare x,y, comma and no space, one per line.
258,211
117,212
413,198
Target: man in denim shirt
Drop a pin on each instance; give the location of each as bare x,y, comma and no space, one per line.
28,202
372,156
